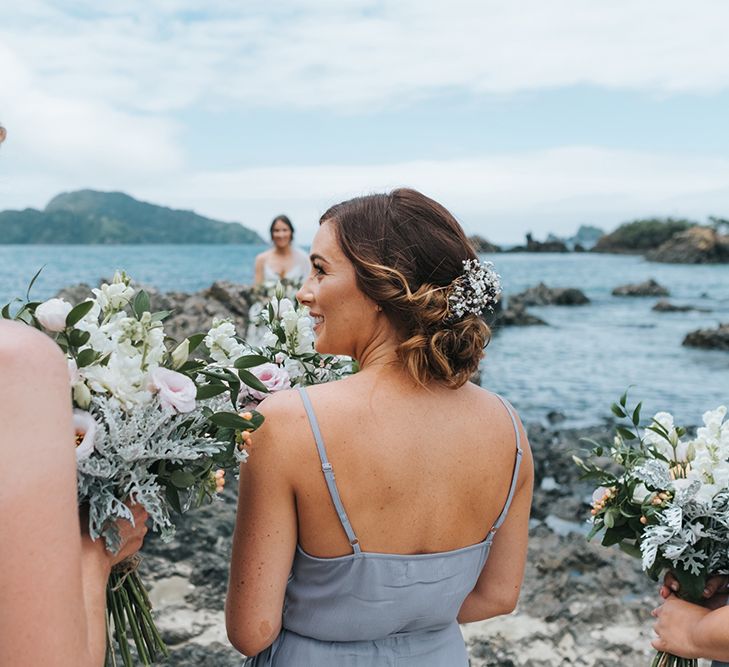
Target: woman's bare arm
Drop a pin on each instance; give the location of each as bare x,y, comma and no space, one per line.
52,581
497,589
265,536
260,261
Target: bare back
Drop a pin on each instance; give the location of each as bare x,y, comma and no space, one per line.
419,471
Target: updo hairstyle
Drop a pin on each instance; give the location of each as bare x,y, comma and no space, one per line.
286,221
406,250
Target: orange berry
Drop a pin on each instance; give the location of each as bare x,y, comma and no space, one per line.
247,416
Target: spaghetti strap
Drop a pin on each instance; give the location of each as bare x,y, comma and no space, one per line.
326,468
517,464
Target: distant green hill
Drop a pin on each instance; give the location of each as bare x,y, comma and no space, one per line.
90,217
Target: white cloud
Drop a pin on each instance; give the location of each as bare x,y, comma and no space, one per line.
93,96
163,56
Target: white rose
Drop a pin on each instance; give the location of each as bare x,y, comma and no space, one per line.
273,377
85,426
52,314
175,390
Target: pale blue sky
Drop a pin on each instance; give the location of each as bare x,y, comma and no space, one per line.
518,116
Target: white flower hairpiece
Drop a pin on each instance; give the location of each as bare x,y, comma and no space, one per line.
477,289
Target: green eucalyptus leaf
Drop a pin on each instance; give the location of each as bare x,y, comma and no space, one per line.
161,315
251,360
182,479
195,341
210,390
79,312
32,282
86,357
636,414
230,420
173,497
252,381
617,410
78,338
625,433
630,549
140,304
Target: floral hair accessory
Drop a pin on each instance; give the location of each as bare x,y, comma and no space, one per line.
477,289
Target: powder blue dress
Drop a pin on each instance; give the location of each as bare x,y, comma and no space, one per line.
367,608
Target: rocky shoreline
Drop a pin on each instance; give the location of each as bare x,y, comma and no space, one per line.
581,604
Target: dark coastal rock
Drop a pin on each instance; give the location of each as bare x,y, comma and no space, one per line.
532,245
516,315
648,288
664,306
698,245
541,295
75,294
714,339
481,245
189,313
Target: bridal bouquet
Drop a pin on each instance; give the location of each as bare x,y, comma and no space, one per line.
148,429
284,357
664,497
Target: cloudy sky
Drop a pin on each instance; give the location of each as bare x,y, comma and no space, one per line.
518,115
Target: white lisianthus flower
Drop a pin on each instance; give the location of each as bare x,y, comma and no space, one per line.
274,378
52,314
85,427
175,390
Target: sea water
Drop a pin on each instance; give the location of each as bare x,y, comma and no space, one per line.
577,365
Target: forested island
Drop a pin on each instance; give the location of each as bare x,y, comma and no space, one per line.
659,239
91,217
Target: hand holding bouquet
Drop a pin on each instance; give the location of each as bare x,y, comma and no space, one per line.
664,497
146,432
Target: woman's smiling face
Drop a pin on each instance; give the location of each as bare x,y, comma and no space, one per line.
345,319
281,234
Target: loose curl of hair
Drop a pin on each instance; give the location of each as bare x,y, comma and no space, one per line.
406,250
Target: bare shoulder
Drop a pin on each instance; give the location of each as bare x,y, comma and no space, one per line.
284,425
503,418
25,348
262,257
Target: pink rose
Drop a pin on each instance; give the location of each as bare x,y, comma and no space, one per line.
175,390
85,428
52,314
275,378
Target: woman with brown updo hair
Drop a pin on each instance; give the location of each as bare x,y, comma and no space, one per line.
425,525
